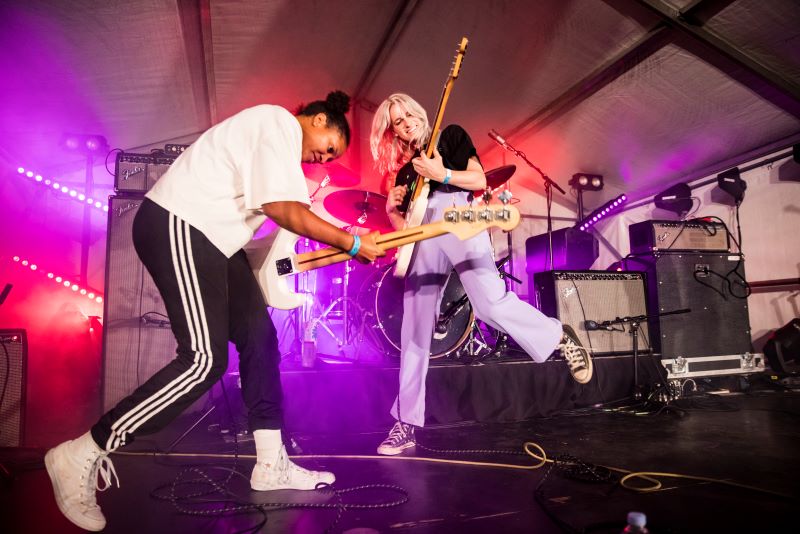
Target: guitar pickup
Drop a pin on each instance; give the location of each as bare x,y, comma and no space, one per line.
284,266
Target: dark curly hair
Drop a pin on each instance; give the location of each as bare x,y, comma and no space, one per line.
335,105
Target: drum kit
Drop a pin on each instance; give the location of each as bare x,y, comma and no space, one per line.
352,307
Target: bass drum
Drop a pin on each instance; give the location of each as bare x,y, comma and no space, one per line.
381,297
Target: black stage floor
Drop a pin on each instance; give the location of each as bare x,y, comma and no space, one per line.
747,439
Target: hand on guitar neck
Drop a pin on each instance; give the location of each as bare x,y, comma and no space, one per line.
298,219
393,201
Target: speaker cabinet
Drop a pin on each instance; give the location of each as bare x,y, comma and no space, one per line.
710,286
574,297
13,380
137,338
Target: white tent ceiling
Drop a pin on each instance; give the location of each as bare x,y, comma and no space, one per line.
644,92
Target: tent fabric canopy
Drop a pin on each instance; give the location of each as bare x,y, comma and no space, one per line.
645,92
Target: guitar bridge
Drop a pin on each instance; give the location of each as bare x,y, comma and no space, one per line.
284,266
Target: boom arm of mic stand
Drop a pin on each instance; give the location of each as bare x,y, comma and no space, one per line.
546,178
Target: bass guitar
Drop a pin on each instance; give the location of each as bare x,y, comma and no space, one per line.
420,188
273,258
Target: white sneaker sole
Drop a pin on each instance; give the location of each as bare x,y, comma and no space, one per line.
79,520
393,451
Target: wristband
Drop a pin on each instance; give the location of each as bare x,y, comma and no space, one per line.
448,174
356,245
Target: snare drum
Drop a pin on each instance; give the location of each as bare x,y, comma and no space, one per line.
381,297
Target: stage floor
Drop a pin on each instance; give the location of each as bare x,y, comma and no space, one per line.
745,438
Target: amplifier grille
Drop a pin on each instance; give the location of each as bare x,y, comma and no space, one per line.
574,297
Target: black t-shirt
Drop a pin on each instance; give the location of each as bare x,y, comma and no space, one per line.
456,148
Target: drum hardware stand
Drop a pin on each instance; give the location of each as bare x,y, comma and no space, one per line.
351,311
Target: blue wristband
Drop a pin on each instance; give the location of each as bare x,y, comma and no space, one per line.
447,175
356,245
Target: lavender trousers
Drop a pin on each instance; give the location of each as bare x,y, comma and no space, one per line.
433,260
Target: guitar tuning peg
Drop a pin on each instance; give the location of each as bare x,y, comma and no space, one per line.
487,196
505,196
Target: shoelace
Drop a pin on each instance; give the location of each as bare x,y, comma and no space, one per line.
104,467
572,353
398,433
285,467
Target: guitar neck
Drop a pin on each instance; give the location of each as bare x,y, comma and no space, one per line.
328,256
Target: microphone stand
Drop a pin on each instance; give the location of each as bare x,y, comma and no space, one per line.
635,321
548,190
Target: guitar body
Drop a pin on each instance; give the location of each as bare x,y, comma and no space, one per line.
263,255
414,217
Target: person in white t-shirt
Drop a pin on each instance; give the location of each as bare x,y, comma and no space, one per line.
189,233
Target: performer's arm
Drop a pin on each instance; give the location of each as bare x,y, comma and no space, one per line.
297,218
471,179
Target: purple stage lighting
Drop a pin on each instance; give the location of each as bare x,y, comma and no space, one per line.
602,212
72,193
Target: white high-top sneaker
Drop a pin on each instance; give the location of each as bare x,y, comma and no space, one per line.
74,467
285,474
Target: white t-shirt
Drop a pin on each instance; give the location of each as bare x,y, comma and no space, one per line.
220,182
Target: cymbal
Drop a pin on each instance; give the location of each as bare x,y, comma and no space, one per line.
340,176
497,177
359,208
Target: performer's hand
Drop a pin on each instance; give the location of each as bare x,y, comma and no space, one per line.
395,198
369,249
432,168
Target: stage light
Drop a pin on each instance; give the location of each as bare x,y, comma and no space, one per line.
88,144
731,182
677,199
587,182
602,212
34,267
57,186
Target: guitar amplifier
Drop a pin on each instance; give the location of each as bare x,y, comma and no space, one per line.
678,236
574,297
136,173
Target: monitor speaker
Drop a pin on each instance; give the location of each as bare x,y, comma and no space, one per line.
575,297
13,379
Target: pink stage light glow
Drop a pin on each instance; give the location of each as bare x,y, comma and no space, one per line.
96,296
71,193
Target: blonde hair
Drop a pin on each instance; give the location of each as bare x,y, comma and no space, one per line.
388,151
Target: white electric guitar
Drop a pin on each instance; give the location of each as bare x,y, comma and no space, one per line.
273,258
421,188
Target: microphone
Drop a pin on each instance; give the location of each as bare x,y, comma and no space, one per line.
594,325
498,139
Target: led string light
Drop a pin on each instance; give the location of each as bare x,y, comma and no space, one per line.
60,280
68,191
602,212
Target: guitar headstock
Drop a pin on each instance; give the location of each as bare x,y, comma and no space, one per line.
469,221
462,49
